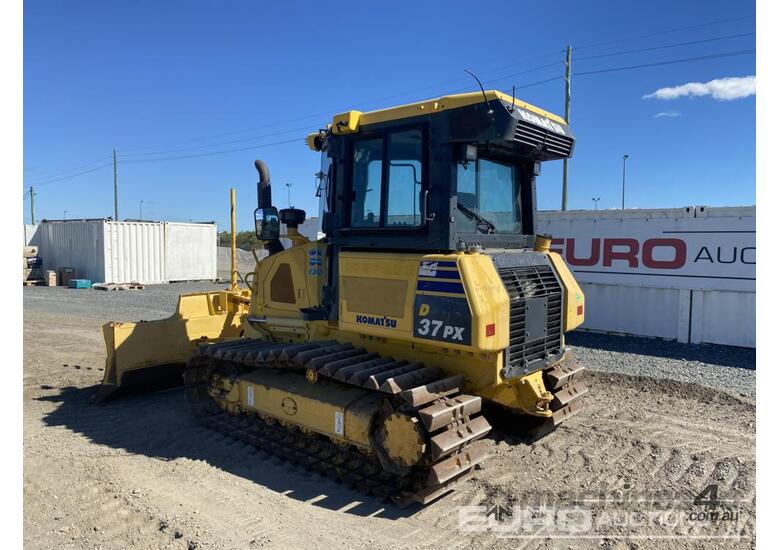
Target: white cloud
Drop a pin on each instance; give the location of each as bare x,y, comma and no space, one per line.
722,89
667,114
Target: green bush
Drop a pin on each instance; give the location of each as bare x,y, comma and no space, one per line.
245,240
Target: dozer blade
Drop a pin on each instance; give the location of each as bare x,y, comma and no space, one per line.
150,355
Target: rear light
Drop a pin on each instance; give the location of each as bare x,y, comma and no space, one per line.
579,310
490,329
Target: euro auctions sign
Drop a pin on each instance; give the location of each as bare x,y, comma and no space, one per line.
687,248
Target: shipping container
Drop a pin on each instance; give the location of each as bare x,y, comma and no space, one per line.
190,251
32,236
683,273
106,251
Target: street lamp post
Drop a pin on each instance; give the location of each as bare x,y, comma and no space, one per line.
596,202
64,214
140,211
625,158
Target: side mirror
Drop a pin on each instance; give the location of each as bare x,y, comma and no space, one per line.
267,223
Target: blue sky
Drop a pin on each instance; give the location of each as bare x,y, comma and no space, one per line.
181,78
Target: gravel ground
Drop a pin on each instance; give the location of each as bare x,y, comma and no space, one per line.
723,368
720,367
244,259
140,472
153,302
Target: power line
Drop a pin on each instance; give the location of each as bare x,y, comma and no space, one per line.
210,153
366,103
666,46
660,33
308,127
493,80
74,175
41,177
234,132
57,171
670,62
195,147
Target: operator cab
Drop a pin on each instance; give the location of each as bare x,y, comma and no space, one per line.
447,174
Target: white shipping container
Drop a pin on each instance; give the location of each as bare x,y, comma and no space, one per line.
32,237
190,251
105,251
685,273
134,252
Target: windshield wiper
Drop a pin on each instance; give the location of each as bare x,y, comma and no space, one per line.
489,227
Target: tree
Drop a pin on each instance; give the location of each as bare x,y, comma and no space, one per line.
245,240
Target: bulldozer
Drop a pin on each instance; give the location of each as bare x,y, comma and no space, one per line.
367,355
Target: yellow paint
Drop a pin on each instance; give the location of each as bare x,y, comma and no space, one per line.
403,439
323,408
346,123
350,122
573,297
199,318
527,394
382,278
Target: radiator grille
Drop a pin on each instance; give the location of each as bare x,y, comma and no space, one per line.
532,282
551,143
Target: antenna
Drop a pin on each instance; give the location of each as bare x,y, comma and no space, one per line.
513,99
484,95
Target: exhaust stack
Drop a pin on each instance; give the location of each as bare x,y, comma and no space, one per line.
263,185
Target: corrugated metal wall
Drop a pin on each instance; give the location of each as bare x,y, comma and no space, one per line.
637,310
74,244
123,252
682,273
32,237
134,252
190,251
723,317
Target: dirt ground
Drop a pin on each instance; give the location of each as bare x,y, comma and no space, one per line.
139,472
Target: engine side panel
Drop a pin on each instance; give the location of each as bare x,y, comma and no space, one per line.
456,301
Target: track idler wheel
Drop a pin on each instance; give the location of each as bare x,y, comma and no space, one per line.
399,439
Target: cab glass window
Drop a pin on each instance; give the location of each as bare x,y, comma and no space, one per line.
387,192
404,182
367,183
488,198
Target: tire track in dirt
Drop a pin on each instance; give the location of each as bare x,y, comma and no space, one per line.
140,469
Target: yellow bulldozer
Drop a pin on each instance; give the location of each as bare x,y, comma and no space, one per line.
367,355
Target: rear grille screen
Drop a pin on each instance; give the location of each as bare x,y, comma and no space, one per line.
551,144
522,284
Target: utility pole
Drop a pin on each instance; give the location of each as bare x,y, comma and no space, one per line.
32,205
596,202
625,157
567,112
140,210
116,192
